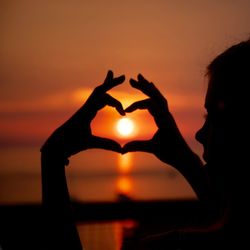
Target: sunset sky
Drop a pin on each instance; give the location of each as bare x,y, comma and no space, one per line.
53,53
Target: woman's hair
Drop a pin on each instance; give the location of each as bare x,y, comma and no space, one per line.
233,60
230,71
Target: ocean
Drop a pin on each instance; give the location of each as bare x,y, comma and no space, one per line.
93,175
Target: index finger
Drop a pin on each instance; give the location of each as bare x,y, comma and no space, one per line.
110,82
148,88
135,146
111,101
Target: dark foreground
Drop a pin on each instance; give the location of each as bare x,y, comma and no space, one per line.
21,225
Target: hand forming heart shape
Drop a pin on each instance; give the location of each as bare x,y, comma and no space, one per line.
75,134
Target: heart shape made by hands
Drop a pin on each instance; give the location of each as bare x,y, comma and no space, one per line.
137,125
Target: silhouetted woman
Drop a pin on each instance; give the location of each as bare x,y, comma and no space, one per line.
221,184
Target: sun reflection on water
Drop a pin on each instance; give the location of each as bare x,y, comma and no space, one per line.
125,163
124,182
124,185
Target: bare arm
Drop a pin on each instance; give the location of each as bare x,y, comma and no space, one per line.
168,144
60,225
72,137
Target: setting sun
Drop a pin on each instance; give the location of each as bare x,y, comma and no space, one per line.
125,126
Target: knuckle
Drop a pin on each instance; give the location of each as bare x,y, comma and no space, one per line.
98,89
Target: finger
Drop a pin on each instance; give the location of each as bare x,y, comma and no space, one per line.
104,143
114,82
148,88
142,86
111,82
141,78
109,77
143,104
111,101
108,84
143,146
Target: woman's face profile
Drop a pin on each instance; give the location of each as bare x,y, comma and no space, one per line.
210,135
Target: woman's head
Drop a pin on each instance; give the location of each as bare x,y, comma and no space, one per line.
226,100
229,74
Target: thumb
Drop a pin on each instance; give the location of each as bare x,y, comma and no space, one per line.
104,143
133,146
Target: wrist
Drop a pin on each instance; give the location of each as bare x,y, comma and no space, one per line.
54,149
190,159
55,157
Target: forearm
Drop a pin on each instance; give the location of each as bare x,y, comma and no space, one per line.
56,202
191,167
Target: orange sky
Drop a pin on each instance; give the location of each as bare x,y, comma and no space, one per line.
53,53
